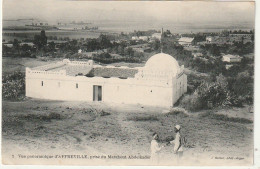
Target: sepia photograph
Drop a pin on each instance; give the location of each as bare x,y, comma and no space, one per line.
128,83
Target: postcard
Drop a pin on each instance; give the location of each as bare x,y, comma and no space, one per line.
128,83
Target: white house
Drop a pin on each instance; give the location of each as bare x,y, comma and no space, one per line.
209,39
80,51
231,58
161,82
135,38
197,54
27,43
144,38
9,45
186,41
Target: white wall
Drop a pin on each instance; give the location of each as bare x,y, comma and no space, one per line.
155,90
128,91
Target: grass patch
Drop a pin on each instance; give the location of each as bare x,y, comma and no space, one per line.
143,118
177,111
42,117
226,118
98,113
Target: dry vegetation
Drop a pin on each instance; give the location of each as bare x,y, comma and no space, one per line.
49,126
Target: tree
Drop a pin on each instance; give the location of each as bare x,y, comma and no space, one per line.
129,51
16,44
104,42
93,45
40,40
156,45
52,46
105,55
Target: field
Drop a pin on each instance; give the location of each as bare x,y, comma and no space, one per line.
54,127
22,35
42,127
10,65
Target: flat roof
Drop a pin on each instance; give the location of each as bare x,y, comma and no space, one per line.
71,70
85,70
112,72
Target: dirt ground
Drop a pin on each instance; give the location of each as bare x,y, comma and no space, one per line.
41,127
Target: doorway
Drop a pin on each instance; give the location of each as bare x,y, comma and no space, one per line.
97,93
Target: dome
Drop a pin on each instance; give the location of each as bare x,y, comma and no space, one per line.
162,62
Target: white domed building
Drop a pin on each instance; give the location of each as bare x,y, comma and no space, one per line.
161,82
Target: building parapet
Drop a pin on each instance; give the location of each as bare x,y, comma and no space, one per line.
88,63
43,72
117,67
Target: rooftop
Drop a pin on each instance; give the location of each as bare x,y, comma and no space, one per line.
186,39
112,72
71,69
231,56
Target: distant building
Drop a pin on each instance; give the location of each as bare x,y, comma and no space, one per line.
220,40
142,49
186,41
9,45
240,35
27,43
161,82
144,38
89,54
80,51
135,38
197,54
231,58
157,36
228,66
246,40
209,39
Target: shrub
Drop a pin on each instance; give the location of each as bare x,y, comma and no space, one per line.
41,117
13,86
208,95
143,118
104,113
242,88
98,112
192,102
177,111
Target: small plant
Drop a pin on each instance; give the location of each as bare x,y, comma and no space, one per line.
177,110
143,118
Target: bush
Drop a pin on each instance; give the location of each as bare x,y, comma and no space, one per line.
13,86
143,118
242,87
208,95
192,102
41,117
177,111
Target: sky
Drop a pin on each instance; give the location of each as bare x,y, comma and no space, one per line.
178,11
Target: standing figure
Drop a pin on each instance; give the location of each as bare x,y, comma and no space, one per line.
178,147
155,148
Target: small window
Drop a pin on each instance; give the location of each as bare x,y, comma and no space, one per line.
42,83
58,84
77,85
